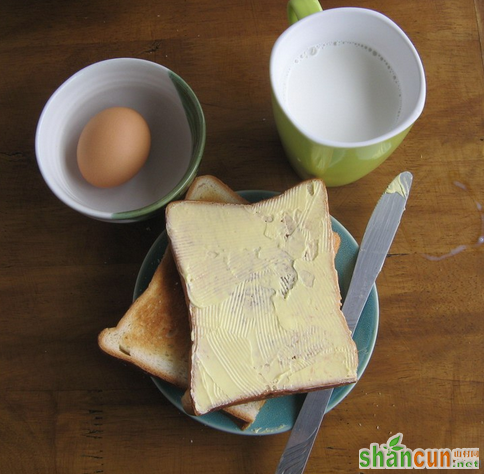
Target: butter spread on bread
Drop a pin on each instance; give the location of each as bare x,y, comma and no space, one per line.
263,298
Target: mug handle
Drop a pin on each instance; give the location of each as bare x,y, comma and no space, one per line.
297,9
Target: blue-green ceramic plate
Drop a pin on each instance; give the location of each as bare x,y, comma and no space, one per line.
278,414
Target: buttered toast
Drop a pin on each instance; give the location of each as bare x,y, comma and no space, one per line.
263,298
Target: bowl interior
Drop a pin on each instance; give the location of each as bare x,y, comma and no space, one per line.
165,101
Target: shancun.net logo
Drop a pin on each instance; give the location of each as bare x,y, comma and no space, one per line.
394,455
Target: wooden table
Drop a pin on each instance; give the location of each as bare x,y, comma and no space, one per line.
65,407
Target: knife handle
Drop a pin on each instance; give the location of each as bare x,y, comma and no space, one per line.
300,443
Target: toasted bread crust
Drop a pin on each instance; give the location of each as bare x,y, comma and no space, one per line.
154,334
189,405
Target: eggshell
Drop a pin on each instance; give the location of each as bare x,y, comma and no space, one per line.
113,147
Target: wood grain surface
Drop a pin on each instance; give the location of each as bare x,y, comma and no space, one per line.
65,407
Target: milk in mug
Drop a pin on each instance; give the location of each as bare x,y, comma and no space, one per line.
342,91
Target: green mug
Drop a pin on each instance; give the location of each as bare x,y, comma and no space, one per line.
347,86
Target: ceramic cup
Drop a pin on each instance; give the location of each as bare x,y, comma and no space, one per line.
174,116
347,86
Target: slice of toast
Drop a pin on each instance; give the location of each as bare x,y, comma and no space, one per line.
263,295
154,334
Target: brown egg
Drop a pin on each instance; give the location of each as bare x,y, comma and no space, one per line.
113,147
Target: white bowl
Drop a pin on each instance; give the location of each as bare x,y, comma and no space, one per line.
177,127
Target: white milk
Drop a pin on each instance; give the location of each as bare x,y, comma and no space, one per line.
343,91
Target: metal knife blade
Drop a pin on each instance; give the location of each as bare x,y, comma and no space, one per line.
378,237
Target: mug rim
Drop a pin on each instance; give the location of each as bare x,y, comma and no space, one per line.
404,125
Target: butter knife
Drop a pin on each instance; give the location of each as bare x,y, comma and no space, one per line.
378,237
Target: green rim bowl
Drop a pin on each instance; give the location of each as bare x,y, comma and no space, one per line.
178,132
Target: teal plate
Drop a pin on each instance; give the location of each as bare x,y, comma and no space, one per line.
278,414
